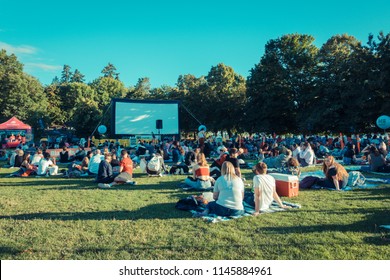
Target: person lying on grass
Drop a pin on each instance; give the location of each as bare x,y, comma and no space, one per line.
265,189
106,178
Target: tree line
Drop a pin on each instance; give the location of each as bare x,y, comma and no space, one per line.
296,87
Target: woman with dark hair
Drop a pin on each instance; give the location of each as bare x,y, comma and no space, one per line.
232,158
178,159
375,159
349,156
64,155
306,156
28,168
45,164
19,158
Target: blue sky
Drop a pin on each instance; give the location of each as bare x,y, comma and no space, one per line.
164,39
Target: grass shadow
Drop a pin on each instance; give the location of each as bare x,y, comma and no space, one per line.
155,211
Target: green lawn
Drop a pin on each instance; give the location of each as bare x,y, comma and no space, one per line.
58,218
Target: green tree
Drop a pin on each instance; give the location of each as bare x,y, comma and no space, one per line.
54,112
107,88
21,95
340,92
77,77
379,81
141,90
188,91
223,99
109,71
278,86
66,74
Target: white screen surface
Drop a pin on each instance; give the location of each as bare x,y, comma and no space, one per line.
133,118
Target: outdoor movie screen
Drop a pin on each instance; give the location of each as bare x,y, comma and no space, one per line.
132,117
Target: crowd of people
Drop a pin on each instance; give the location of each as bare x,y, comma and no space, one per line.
212,165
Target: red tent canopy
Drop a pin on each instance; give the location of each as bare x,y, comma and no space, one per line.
14,124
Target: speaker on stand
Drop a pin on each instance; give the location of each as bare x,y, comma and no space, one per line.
159,126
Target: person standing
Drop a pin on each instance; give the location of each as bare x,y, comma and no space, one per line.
201,138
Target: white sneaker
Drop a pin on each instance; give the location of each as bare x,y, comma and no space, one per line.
104,186
131,182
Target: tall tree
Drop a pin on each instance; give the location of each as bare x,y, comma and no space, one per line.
188,92
77,77
379,81
340,92
109,71
66,74
224,98
21,95
141,90
107,88
277,87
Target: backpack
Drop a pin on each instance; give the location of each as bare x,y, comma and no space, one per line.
154,164
356,179
193,202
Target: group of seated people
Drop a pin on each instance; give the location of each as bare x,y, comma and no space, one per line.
40,164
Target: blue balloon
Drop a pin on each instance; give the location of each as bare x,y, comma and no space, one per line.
383,122
102,129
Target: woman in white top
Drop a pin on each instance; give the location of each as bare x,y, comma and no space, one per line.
265,189
45,164
306,156
228,193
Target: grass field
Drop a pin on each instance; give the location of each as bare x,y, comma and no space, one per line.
58,218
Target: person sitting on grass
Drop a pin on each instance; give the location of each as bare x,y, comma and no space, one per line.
201,174
106,180
228,194
64,155
155,166
45,164
336,177
93,165
232,158
105,175
37,157
27,167
264,186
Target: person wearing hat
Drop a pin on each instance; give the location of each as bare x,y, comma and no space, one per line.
201,138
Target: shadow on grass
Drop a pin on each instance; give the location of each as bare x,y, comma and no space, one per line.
155,211
370,224
379,193
31,182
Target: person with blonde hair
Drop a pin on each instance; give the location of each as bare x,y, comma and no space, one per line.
335,174
228,194
201,174
264,186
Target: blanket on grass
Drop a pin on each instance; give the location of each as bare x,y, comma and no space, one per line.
370,182
387,227
249,210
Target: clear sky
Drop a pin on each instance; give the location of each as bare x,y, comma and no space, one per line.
164,39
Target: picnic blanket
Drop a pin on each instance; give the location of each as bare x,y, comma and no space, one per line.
371,182
185,187
387,227
249,210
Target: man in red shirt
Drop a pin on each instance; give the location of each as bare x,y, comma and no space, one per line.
126,172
